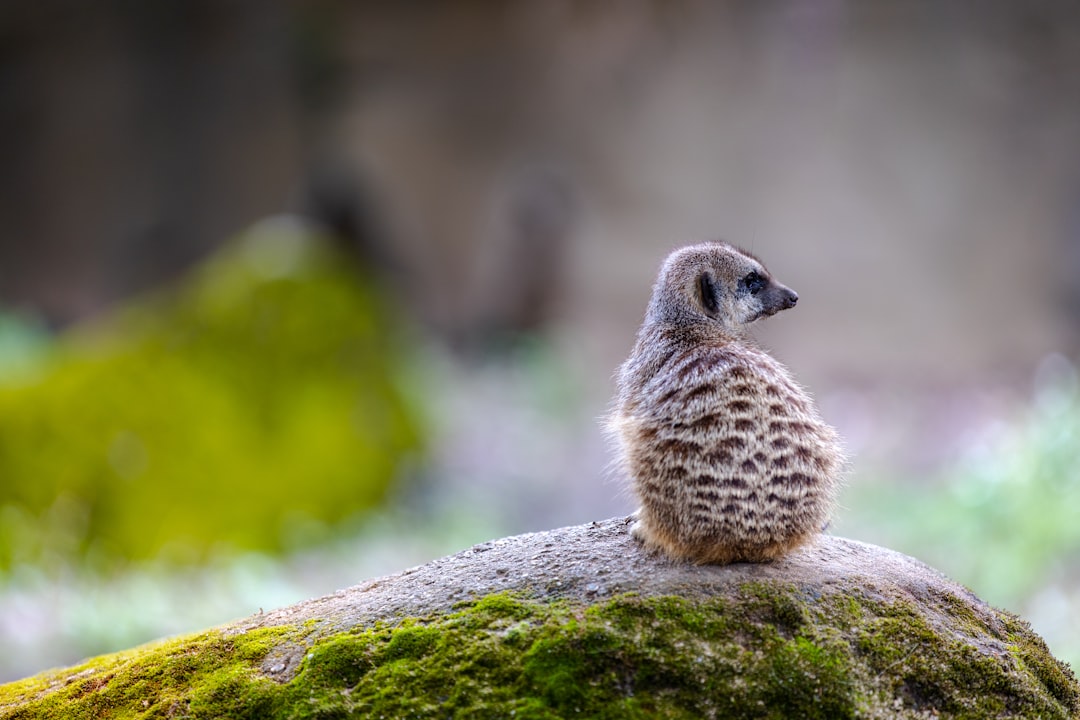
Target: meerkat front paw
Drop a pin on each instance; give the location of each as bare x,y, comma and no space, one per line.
637,530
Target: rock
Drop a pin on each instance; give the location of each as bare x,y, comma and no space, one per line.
579,621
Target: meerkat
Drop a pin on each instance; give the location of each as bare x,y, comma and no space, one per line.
726,452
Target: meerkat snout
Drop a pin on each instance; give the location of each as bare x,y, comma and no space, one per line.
780,298
725,451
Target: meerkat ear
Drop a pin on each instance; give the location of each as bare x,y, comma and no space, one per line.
710,295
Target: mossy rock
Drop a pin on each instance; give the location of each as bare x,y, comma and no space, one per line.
579,622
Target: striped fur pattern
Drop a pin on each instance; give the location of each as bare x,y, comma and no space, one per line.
727,454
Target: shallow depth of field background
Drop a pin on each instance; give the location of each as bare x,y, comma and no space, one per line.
297,294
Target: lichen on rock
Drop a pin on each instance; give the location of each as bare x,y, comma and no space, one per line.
579,622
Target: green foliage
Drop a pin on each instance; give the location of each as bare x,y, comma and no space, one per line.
741,657
1001,519
249,408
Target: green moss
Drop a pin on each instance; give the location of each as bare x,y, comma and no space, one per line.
1034,658
930,667
770,653
157,681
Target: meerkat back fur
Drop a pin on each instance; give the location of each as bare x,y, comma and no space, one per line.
727,454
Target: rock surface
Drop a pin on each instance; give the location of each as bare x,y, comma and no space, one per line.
580,621
587,563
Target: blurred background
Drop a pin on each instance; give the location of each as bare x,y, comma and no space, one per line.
294,294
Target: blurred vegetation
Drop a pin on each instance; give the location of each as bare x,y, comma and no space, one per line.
1002,519
252,407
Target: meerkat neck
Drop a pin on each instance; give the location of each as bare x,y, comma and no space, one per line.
695,334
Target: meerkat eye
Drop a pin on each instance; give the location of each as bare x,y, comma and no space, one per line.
754,283
710,299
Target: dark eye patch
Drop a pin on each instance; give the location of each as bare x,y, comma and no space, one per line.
753,283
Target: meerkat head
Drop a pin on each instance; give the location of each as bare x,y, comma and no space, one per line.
716,284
